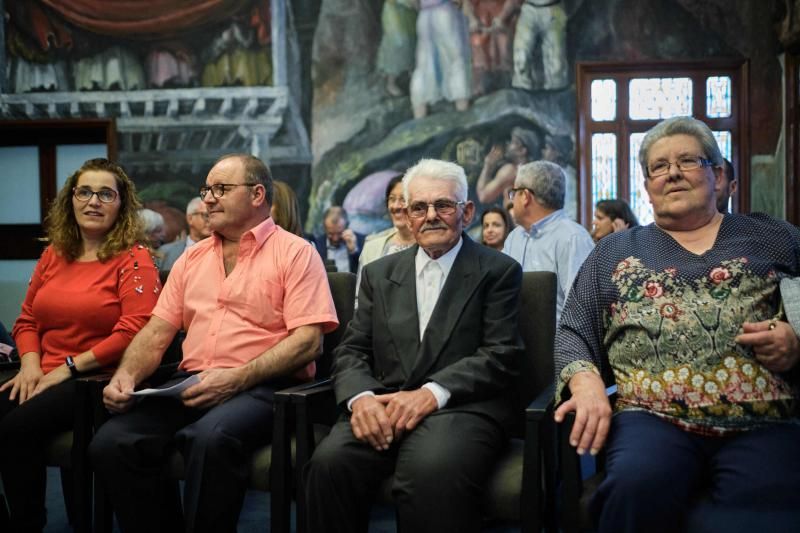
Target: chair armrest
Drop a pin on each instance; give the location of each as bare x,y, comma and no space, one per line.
542,404
539,468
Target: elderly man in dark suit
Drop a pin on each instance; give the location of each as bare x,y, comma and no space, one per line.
424,373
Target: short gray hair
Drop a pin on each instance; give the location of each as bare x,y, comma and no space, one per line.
546,180
681,126
438,170
191,207
151,220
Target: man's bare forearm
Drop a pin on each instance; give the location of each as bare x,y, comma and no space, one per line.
147,348
301,347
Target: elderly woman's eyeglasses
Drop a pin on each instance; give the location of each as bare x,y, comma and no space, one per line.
442,207
84,194
661,167
218,190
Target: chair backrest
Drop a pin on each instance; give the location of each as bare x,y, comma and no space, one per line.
537,326
343,290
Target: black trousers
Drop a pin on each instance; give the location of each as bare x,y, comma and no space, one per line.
440,471
130,454
25,431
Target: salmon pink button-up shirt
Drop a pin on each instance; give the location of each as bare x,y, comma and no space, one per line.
279,283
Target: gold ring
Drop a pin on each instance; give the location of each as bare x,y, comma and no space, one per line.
773,324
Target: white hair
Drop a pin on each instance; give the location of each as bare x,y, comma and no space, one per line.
150,219
438,170
191,207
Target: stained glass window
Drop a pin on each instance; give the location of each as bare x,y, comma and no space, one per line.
638,200
658,98
604,100
604,166
718,96
724,142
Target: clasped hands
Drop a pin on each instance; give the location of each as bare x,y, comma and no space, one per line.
382,419
216,386
775,344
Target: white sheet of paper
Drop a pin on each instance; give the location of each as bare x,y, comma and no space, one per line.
174,390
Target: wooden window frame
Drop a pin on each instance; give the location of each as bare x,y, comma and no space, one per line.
24,241
623,126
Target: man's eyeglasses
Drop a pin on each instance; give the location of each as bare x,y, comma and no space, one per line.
661,167
203,215
442,207
513,192
218,190
84,194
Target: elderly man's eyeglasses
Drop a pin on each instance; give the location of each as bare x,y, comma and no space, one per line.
84,194
513,192
200,214
660,168
442,207
218,190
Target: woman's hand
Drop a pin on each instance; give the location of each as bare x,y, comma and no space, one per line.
56,376
24,383
774,344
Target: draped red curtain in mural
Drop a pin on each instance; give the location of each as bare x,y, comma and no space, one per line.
143,18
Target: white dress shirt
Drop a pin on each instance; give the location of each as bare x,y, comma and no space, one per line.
431,275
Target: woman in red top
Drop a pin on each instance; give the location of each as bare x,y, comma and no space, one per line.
90,293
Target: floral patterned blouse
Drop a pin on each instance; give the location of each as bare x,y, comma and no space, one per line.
660,321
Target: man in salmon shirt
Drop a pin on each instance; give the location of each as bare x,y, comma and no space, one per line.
254,301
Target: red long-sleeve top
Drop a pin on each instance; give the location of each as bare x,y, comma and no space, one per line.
72,307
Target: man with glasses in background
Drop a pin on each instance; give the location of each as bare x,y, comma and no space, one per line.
545,237
197,219
424,373
254,301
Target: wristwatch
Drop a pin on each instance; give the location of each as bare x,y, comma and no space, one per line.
72,368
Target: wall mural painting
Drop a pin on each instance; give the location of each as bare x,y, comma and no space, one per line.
484,83
97,45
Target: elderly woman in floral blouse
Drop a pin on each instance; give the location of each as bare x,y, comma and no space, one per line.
684,315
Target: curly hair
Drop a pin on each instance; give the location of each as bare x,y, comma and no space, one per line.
62,227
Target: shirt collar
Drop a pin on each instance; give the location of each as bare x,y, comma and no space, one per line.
253,238
190,241
538,227
445,261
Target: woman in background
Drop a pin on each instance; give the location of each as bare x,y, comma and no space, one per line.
611,216
285,210
496,224
394,239
92,290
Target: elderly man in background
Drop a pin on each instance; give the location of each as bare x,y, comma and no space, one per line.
254,301
545,237
197,219
684,316
424,373
339,243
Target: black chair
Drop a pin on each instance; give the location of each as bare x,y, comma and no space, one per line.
519,490
271,465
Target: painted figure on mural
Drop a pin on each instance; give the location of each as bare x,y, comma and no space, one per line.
491,27
540,38
396,51
443,65
500,165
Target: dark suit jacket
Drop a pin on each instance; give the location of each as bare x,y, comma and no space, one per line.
321,243
471,345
